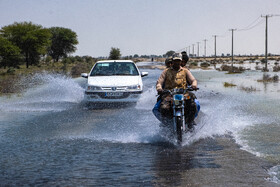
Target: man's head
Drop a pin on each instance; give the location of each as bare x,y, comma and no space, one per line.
177,59
185,58
168,62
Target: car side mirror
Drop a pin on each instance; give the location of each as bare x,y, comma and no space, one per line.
144,74
85,75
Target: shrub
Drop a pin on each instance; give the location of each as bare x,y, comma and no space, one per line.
263,60
48,59
232,69
11,71
193,64
268,78
276,68
204,64
80,68
248,89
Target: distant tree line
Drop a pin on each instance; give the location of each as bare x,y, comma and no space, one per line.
27,43
115,54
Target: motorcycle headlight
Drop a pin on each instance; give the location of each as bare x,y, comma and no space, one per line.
134,87
178,97
93,88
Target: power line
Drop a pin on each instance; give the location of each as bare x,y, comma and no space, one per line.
249,28
250,25
223,35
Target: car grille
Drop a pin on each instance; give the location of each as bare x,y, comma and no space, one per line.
122,88
102,95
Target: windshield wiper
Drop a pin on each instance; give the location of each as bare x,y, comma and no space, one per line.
121,74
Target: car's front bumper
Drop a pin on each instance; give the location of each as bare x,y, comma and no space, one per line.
132,96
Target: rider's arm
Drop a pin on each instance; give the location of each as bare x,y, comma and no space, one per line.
160,81
191,79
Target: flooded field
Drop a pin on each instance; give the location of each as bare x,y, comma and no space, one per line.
48,136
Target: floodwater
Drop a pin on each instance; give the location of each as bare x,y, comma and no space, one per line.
49,136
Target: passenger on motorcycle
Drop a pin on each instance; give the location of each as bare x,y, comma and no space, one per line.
175,77
185,59
168,62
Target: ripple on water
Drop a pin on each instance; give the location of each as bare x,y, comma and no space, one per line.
274,173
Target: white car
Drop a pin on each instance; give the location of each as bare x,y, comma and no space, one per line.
114,81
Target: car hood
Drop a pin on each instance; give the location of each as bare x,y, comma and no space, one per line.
114,80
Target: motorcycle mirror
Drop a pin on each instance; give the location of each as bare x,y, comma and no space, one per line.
143,74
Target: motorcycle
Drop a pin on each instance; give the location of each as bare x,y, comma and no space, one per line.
178,98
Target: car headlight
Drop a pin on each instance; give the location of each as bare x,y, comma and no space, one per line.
134,87
93,88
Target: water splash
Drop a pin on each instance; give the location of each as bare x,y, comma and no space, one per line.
45,92
147,99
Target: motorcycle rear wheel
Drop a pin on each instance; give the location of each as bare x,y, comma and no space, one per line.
179,128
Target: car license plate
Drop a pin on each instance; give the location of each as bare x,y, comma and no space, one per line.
113,94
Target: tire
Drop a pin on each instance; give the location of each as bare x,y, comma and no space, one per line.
179,125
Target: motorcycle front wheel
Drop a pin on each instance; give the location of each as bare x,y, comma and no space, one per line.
179,127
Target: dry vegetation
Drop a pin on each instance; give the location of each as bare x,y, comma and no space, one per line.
248,89
268,78
227,84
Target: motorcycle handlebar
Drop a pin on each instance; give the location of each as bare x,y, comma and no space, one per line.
179,90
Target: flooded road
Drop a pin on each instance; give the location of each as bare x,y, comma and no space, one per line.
49,136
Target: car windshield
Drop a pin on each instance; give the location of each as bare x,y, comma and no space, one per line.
114,68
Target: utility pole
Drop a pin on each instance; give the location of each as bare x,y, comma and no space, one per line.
232,47
193,49
198,49
215,54
266,20
205,47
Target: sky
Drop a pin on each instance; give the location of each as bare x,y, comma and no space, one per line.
153,27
